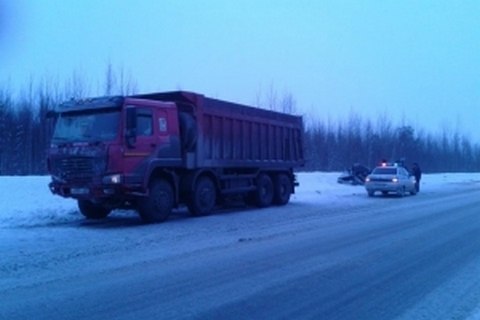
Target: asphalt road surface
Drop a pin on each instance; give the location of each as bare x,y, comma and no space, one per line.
384,258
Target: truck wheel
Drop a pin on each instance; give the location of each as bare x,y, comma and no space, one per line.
282,190
203,197
264,192
91,210
158,205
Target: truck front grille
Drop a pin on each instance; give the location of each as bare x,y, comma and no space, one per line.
79,169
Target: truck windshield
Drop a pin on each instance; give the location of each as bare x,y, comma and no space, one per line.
86,126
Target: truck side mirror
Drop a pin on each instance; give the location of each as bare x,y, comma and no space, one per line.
130,126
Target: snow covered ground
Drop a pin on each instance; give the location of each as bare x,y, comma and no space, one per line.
47,247
27,201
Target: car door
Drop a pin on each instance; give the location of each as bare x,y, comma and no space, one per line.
405,179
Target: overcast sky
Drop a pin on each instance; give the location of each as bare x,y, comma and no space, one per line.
418,60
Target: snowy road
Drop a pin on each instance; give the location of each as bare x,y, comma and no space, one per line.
381,258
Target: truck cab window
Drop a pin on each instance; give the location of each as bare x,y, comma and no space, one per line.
162,124
144,122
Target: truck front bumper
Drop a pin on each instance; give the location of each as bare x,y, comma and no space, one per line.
94,191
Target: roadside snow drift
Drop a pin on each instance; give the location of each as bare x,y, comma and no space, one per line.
25,201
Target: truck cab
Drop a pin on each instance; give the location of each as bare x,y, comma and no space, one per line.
102,148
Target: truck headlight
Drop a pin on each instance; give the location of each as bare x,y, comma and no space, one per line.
112,179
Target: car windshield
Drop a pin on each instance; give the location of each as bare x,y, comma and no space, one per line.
86,127
385,171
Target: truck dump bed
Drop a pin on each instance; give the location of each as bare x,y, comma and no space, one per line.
235,135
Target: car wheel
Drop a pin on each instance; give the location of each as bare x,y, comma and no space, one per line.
414,191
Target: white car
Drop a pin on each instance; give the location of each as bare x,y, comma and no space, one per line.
390,178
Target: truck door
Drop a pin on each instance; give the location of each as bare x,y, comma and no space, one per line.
146,141
137,156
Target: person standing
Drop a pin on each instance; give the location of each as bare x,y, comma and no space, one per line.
417,173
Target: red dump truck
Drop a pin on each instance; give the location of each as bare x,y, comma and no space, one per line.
159,151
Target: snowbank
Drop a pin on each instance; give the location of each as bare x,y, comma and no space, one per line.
27,201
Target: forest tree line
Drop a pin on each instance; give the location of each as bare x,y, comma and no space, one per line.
25,134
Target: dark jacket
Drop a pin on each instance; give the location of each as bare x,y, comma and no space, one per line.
417,173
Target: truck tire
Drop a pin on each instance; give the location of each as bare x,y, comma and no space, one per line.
158,205
282,189
203,198
264,193
91,210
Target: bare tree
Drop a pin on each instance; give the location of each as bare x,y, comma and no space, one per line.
76,86
272,101
288,103
110,79
126,84
25,132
